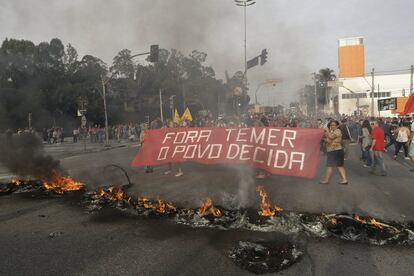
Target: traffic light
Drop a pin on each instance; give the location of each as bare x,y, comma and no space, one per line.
154,49
263,57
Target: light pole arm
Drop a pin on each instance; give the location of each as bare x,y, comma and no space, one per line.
257,90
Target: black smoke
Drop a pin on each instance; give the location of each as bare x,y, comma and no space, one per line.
23,155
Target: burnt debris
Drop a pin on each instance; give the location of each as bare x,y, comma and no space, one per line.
348,227
264,257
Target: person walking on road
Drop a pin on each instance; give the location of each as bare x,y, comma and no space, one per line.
377,149
335,153
366,143
403,135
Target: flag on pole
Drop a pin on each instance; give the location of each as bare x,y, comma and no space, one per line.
409,105
187,115
177,118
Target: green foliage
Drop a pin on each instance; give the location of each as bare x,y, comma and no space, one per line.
47,80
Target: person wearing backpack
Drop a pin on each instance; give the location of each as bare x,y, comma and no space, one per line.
403,135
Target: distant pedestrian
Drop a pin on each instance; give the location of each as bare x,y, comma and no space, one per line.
377,149
75,135
335,153
55,136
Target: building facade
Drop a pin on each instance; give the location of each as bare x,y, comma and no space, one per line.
355,94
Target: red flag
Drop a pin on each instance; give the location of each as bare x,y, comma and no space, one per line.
288,151
409,105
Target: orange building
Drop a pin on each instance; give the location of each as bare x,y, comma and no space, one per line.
401,101
351,57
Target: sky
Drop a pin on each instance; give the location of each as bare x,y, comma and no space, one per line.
301,36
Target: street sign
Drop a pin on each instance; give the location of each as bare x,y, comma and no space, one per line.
387,104
335,84
83,121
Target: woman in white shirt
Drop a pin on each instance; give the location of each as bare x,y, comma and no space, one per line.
403,138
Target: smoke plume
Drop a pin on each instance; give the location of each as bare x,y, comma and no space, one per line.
24,156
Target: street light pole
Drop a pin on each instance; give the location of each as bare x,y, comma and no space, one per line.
106,112
245,4
372,92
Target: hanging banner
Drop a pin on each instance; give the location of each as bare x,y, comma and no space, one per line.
287,151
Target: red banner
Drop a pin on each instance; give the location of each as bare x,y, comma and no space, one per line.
288,151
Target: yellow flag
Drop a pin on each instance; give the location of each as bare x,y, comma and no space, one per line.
177,118
187,115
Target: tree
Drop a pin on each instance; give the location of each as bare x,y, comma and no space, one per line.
322,79
123,65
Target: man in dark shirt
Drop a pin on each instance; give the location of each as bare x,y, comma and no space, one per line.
346,137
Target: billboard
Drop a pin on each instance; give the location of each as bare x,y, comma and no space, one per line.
387,104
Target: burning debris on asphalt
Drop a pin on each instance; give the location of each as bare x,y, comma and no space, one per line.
255,257
268,219
264,257
57,184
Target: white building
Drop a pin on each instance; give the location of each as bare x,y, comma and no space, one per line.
385,86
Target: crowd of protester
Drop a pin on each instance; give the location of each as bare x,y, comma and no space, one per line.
374,136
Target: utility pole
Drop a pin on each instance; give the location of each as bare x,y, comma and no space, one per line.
172,107
161,113
411,80
245,4
372,92
106,112
245,45
316,96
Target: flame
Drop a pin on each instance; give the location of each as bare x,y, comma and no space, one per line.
376,224
357,217
171,206
60,184
207,203
208,208
16,182
160,206
145,202
119,194
266,209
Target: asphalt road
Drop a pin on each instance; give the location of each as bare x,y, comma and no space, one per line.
108,243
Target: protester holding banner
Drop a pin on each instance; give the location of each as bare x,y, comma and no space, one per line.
335,153
142,140
180,172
